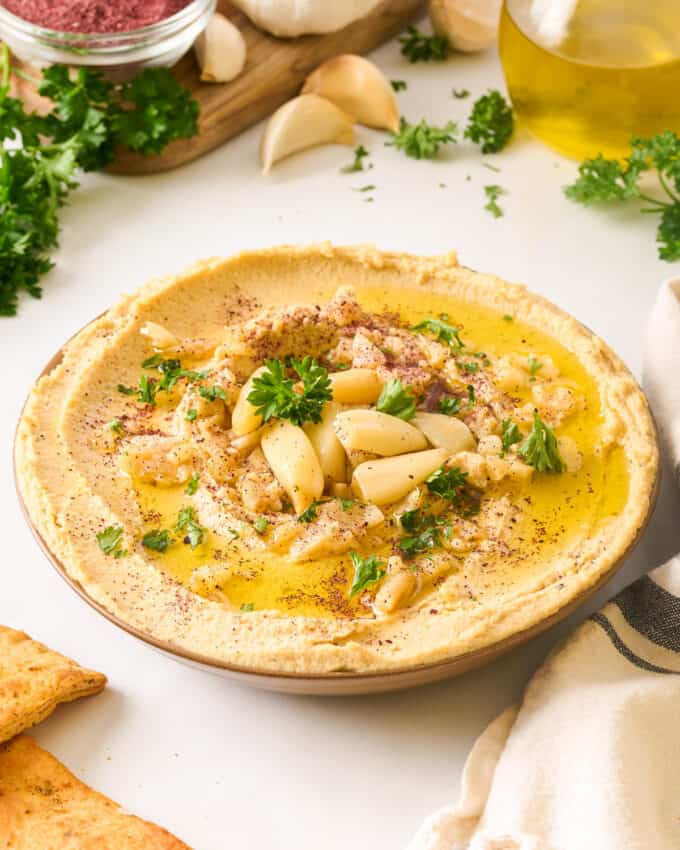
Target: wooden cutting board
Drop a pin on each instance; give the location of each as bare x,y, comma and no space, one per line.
274,72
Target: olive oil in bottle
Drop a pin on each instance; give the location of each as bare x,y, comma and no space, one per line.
587,75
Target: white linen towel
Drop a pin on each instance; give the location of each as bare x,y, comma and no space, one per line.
590,759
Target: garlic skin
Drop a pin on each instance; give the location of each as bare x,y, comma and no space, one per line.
290,18
304,122
220,50
469,25
359,88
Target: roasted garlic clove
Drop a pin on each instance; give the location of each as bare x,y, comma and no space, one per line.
220,50
469,25
304,122
359,88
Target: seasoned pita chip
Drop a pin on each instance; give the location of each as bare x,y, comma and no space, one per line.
34,680
43,806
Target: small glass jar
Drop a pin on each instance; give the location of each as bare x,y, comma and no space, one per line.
119,54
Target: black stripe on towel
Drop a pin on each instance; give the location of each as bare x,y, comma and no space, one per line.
652,611
633,657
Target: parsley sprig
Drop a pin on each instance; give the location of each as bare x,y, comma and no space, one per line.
417,46
441,330
423,532
423,140
397,400
491,122
90,117
274,396
110,540
360,153
608,180
367,571
540,448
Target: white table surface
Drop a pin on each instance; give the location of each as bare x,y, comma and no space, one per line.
221,765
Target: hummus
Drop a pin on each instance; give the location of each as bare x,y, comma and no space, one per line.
326,459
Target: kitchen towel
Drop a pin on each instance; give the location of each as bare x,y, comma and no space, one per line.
590,759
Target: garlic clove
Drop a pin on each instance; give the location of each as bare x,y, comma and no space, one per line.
359,88
220,50
304,122
469,25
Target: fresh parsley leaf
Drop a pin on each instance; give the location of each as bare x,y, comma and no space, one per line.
248,606
447,483
398,85
369,188
212,393
449,405
422,528
261,524
123,390
491,122
341,367
186,522
273,394
510,434
441,330
460,94
608,180
148,387
152,362
397,400
192,484
540,448
471,395
158,540
117,427
367,571
360,153
508,318
493,193
423,140
310,513
534,366
110,539
191,414
346,504
417,46
469,368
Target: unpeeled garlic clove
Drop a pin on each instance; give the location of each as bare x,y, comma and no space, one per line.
469,25
220,50
359,88
303,122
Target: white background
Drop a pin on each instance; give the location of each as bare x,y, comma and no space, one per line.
220,765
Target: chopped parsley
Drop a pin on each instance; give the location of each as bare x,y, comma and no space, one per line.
471,395
492,193
449,405
447,483
248,606
360,153
423,140
540,448
491,122
110,541
397,400
192,485
422,529
510,434
346,504
261,524
441,330
117,427
123,390
367,571
469,368
417,46
158,540
194,534
368,188
273,394
191,414
152,362
460,94
310,513
399,85
508,318
148,387
534,366
212,393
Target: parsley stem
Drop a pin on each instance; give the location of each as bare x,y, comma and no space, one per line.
667,189
654,201
5,66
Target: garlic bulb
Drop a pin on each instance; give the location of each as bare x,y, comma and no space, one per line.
220,50
468,24
357,87
304,122
299,17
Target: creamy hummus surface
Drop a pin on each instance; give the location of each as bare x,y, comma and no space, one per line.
332,459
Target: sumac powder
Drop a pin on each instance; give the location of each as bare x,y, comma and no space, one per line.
93,16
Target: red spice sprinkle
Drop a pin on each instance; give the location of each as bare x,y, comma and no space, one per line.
94,16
